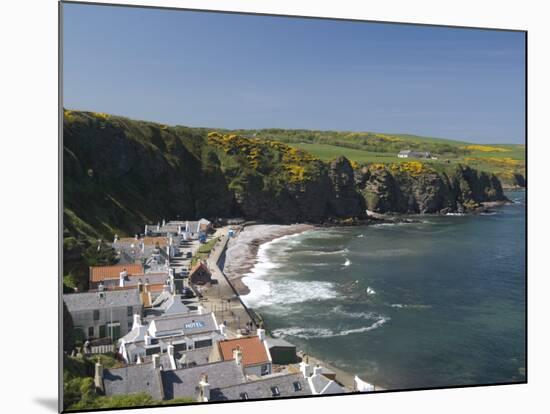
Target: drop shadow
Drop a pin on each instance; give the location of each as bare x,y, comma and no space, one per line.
49,403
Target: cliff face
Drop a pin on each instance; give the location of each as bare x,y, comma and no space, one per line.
422,190
120,174
344,200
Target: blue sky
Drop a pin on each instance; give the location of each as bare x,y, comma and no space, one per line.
241,71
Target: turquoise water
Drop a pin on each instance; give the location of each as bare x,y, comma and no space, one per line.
435,303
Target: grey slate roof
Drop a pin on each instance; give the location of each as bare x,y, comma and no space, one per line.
193,357
184,382
188,324
319,383
133,379
135,335
262,388
278,342
92,300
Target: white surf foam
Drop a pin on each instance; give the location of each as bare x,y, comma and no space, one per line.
339,310
277,292
347,262
309,333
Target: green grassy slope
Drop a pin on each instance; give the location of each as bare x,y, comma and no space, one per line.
505,160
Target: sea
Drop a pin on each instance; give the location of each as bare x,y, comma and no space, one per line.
434,303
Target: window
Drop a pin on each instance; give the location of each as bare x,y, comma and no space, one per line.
114,330
203,344
152,350
243,395
96,314
297,386
90,332
130,311
275,391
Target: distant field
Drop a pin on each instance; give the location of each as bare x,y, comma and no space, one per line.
507,160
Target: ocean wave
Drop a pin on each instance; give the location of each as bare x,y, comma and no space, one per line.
276,292
323,252
339,310
389,253
412,306
347,262
323,234
310,333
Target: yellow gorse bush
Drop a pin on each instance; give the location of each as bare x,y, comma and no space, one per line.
68,115
293,161
486,148
413,168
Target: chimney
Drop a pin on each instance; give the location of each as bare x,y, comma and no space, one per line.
200,309
163,222
98,377
136,237
140,286
147,339
261,334
122,277
142,246
305,368
171,272
222,328
170,350
204,389
158,227
137,321
116,238
239,333
146,230
238,356
317,370
101,287
138,361
156,361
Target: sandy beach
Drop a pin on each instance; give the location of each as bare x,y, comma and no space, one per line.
241,251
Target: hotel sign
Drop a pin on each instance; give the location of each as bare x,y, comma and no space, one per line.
194,325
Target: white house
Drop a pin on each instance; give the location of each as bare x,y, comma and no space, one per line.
414,154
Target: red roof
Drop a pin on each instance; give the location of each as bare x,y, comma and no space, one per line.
100,273
147,241
253,350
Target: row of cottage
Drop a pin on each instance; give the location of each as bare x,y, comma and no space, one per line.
144,266
168,344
